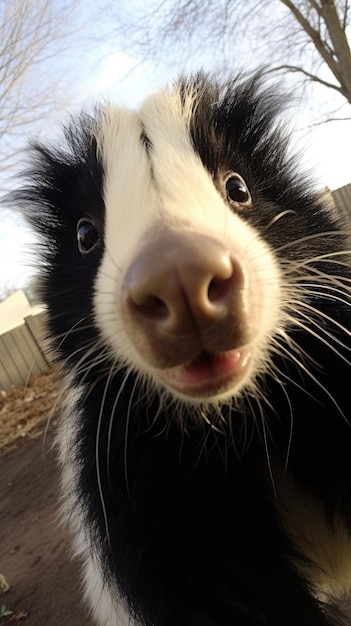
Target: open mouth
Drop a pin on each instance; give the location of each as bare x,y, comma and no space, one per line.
209,374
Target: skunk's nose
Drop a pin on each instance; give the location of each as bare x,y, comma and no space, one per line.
183,290
183,285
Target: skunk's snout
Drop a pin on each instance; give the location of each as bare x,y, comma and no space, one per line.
183,294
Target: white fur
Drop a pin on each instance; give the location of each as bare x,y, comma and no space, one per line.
327,549
105,610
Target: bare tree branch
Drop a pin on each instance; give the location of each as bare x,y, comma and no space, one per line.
295,37
314,36
328,119
309,75
32,34
345,15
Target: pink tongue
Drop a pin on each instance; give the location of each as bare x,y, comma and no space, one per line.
209,373
209,366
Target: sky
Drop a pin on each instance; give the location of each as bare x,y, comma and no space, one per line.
123,78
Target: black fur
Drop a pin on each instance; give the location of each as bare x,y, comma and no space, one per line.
195,534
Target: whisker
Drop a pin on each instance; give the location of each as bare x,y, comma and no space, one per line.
279,217
315,380
127,423
66,334
110,426
97,458
317,335
266,446
311,237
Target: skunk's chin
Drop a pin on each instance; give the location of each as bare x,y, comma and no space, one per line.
209,375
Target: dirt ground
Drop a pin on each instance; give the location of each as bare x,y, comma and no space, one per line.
44,584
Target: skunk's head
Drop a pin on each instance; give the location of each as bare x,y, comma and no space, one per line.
173,240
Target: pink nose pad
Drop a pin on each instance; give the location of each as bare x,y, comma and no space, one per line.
182,286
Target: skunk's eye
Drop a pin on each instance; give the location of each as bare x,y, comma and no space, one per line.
87,236
237,190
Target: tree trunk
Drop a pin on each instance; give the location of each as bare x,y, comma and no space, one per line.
340,45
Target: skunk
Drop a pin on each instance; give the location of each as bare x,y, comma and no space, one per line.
198,300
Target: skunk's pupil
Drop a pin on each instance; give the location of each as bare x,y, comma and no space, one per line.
237,190
87,236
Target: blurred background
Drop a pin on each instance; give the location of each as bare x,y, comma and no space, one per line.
57,56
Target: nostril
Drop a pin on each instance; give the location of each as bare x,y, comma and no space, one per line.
218,288
152,308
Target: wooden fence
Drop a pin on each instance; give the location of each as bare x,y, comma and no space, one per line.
22,352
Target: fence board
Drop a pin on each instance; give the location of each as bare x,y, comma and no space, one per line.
37,327
11,364
21,353
8,375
